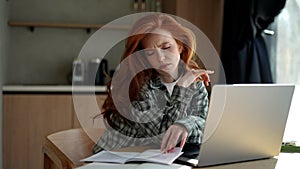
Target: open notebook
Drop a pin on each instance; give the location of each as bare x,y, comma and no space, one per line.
151,155
133,166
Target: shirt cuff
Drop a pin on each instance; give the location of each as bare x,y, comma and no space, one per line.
187,122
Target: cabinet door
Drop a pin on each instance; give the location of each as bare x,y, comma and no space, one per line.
86,107
207,15
27,120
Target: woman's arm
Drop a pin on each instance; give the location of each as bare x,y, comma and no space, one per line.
194,122
191,126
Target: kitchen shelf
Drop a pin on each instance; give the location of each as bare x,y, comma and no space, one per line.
88,27
56,89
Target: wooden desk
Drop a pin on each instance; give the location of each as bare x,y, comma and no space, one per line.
64,150
283,161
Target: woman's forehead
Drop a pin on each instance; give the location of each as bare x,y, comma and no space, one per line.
158,38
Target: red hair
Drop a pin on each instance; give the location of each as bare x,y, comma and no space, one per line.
141,28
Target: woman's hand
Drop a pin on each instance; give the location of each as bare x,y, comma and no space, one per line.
174,133
187,79
205,76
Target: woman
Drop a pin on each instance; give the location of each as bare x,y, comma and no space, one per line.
165,102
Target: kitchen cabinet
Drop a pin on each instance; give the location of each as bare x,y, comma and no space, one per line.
29,118
86,107
207,15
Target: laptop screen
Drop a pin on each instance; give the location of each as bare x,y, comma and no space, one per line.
244,122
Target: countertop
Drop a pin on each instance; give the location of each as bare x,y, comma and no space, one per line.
52,89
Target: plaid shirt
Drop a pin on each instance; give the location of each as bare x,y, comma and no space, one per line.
154,112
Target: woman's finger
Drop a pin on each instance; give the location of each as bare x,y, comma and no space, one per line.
173,139
206,79
203,75
164,141
201,71
171,150
172,136
183,139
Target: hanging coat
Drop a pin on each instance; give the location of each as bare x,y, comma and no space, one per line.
244,51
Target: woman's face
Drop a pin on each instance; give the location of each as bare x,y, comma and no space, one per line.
163,53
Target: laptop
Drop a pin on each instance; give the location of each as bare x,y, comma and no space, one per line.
245,122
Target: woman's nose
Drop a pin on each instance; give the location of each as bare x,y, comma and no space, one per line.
160,55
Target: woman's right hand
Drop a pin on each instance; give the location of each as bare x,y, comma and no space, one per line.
174,134
190,76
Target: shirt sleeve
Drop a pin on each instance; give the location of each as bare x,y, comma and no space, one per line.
196,112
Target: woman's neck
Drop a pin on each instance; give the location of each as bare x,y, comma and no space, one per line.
168,78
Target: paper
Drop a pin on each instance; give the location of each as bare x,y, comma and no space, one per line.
133,166
151,155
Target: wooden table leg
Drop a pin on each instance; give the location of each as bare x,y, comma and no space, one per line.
48,163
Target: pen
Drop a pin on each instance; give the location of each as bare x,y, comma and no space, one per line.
203,71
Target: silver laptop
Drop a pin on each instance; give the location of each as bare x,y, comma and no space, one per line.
245,122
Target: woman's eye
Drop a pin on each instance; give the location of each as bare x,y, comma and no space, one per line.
166,47
149,52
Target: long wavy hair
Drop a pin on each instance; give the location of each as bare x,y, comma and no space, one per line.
135,60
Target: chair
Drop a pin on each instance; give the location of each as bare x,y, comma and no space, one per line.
65,149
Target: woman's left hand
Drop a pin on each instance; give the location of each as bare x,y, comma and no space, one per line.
190,76
204,74
172,136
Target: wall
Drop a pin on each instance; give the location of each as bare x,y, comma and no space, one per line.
4,6
45,55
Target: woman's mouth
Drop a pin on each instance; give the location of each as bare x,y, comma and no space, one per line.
164,66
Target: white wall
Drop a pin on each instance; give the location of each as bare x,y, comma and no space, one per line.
293,126
3,53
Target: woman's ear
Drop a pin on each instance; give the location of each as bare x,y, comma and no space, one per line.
180,48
